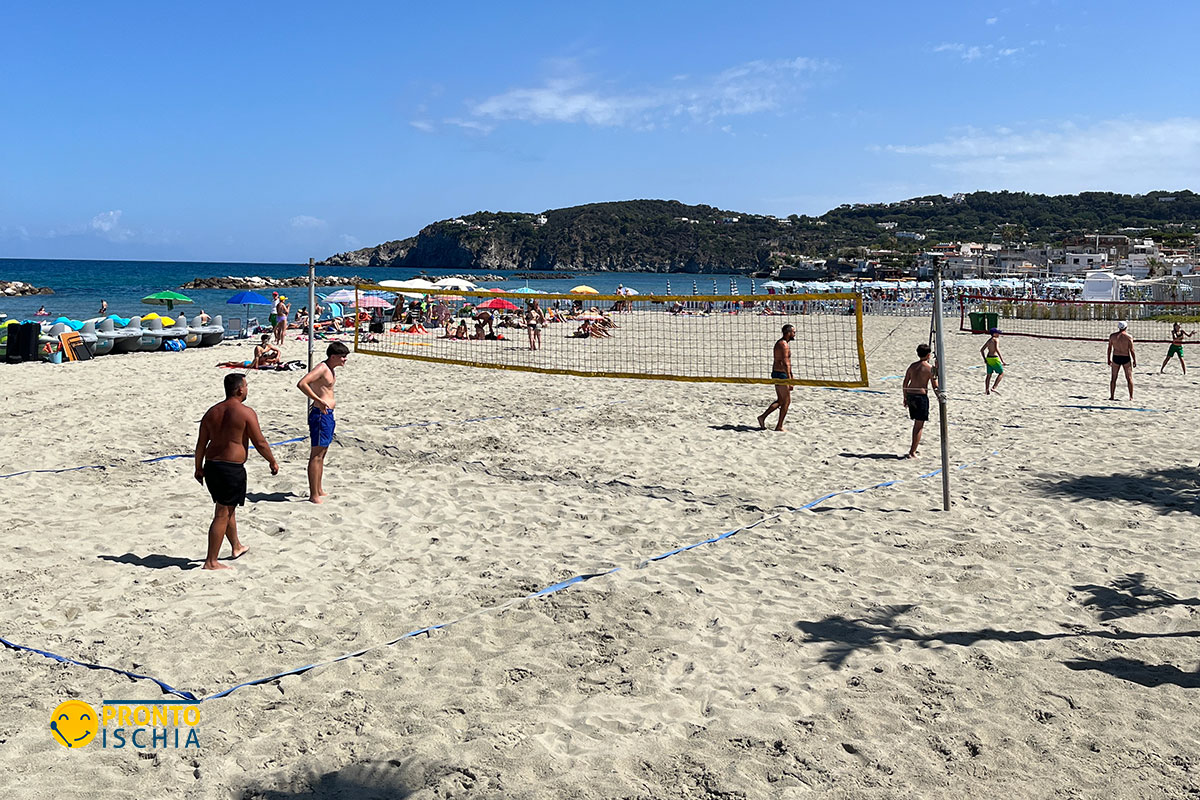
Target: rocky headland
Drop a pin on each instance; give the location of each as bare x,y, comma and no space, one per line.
258,282
15,288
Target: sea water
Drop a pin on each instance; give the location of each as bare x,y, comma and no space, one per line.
79,286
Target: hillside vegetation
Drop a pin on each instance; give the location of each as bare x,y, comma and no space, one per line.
668,236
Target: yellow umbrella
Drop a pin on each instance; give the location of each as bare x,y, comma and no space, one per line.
581,289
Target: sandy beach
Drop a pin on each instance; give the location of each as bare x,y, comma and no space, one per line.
1041,639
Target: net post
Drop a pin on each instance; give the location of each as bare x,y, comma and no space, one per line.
312,308
939,323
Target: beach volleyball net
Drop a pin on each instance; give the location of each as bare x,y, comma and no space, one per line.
1089,321
707,338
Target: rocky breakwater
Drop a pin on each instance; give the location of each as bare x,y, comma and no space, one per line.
257,282
14,288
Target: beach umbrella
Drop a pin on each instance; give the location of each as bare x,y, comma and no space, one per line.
248,299
627,291
668,285
499,304
341,296
581,289
753,289
714,280
694,289
166,298
454,284
373,301
412,284
525,290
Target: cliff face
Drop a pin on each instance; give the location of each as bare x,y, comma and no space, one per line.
638,235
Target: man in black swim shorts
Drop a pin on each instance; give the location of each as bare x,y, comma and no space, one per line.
781,370
221,451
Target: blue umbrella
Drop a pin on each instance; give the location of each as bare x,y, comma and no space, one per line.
248,299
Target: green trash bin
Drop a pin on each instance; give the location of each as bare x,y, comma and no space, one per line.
976,321
991,321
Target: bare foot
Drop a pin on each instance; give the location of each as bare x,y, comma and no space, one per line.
217,565
762,422
995,391
987,391
323,493
241,551
317,499
781,430
908,455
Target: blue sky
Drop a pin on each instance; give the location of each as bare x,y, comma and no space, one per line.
278,131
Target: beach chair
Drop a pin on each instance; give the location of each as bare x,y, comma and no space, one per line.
234,329
251,326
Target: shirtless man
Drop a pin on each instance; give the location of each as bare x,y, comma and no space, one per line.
994,361
483,319
1176,348
265,353
1121,355
317,386
916,394
221,463
781,370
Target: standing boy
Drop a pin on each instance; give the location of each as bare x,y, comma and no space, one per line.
221,463
994,361
1176,348
318,387
916,394
1121,356
781,370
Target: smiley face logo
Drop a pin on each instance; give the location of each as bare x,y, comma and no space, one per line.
74,723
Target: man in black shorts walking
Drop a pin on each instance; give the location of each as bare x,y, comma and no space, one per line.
781,370
916,394
221,452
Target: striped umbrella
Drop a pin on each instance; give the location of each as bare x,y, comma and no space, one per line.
694,289
668,285
733,286
753,289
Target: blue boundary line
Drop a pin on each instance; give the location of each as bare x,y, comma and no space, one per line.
548,590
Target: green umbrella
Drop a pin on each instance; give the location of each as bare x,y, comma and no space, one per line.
167,298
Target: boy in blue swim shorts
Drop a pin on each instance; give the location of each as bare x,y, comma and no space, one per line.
317,386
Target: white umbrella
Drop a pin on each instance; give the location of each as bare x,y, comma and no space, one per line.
454,284
627,291
341,296
410,284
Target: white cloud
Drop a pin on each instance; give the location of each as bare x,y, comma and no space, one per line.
107,224
1123,155
305,222
976,52
423,125
991,20
749,88
351,242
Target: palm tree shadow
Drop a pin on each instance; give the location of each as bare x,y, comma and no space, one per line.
845,636
1129,596
1139,672
1173,489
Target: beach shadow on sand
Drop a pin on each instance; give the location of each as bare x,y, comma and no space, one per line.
368,779
1139,672
1171,489
878,456
845,636
271,497
155,561
1129,596
737,428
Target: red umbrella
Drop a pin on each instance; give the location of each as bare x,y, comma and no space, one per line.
498,303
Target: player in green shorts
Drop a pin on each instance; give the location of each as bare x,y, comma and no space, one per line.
1176,348
995,362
